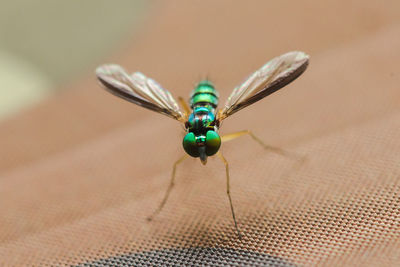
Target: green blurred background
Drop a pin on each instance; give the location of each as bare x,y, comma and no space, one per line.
44,44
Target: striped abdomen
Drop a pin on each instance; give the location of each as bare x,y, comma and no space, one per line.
202,139
203,101
204,95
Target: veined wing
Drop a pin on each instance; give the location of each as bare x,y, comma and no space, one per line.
271,77
139,89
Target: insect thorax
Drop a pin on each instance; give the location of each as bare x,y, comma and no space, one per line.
202,139
203,101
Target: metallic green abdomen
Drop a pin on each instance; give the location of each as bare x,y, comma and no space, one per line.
204,95
202,138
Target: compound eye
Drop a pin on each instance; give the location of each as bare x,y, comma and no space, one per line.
213,142
190,146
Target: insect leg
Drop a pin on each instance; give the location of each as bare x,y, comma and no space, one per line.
274,149
184,105
171,184
228,191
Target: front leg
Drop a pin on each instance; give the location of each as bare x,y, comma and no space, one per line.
228,191
171,184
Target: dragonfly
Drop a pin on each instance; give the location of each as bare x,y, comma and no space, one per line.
200,118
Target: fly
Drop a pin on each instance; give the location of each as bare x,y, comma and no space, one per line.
200,118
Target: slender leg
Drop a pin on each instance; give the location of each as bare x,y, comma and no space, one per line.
171,184
184,105
277,150
228,191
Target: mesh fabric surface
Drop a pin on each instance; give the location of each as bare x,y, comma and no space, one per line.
81,172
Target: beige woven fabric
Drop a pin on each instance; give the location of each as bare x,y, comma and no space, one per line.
80,172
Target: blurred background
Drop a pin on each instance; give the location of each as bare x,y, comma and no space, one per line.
80,169
45,44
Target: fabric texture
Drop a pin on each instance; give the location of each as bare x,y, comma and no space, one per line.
80,172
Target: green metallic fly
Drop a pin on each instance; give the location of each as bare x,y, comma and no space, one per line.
203,121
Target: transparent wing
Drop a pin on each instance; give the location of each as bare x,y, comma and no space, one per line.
271,77
139,89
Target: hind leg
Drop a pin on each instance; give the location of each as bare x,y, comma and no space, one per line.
280,151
